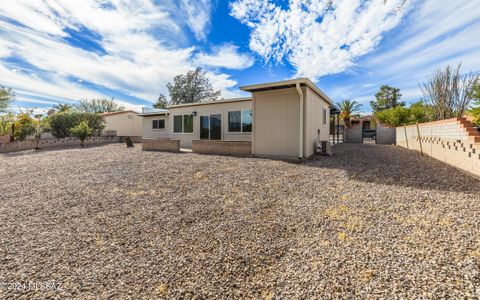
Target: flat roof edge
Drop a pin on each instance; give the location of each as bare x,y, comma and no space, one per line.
211,102
287,84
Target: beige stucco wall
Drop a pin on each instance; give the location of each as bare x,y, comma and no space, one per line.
313,121
207,109
276,123
125,124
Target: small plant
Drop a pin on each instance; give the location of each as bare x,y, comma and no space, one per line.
82,131
39,127
24,126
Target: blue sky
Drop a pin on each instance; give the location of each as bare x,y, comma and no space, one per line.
62,51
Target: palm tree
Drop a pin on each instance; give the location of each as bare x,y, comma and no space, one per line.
63,107
349,109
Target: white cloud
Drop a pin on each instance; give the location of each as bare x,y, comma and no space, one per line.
318,37
139,57
226,56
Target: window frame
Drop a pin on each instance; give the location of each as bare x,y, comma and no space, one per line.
158,123
241,121
324,116
183,124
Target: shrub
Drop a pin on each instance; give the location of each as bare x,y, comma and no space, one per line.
24,126
418,112
6,121
81,131
62,123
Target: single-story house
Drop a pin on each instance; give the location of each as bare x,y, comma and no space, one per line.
123,123
281,119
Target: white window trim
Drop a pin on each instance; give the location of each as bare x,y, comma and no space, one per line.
160,129
241,122
183,124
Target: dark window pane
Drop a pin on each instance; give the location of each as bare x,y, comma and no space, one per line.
155,124
188,123
234,121
247,120
177,124
161,124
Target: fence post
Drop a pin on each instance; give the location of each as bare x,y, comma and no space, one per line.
406,137
420,140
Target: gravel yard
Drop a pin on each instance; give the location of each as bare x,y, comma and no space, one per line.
115,223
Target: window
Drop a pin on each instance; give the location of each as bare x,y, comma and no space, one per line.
247,120
234,121
240,121
187,123
324,116
158,124
183,124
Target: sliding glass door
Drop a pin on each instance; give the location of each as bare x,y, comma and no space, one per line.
211,127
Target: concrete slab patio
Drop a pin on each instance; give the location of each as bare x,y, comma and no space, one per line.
109,222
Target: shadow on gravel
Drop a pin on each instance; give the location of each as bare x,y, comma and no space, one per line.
392,165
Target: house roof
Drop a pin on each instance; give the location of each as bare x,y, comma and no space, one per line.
212,102
148,111
286,84
118,113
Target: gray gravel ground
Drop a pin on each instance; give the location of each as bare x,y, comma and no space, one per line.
116,223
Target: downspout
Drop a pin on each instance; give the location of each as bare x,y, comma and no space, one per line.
300,145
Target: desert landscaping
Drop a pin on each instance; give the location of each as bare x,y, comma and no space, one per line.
371,221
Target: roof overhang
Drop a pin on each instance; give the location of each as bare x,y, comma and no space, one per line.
211,102
285,85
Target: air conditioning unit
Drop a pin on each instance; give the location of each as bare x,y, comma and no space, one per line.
324,148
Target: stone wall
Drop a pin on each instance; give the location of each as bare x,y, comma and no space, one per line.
353,134
238,148
29,144
166,145
384,134
453,141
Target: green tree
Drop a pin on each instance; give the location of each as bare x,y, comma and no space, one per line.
98,106
63,107
6,96
386,98
81,131
192,87
61,123
418,112
24,126
348,109
161,103
449,92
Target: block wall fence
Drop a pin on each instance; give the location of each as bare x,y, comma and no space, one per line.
29,144
453,141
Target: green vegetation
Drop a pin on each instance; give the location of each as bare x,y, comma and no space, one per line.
418,112
6,122
82,131
161,103
191,87
61,123
6,96
348,109
388,97
63,107
98,106
24,126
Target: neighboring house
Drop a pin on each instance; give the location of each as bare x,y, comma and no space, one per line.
123,123
283,119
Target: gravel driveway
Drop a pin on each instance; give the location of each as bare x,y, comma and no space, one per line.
115,223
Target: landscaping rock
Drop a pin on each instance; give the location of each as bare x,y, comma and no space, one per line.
371,221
